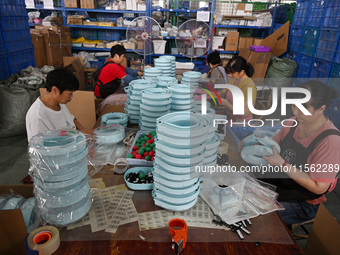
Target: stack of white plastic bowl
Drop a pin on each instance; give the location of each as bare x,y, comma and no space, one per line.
182,97
171,59
155,103
179,149
192,78
132,105
118,118
164,65
151,73
59,172
165,81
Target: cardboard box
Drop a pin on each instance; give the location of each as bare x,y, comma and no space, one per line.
72,3
245,42
13,230
39,48
75,64
52,48
257,41
88,4
278,40
324,237
232,41
74,20
244,9
82,107
259,61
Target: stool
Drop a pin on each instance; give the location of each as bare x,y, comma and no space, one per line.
302,226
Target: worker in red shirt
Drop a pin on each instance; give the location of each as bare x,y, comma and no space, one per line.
112,72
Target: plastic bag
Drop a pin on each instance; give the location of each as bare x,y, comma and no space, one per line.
59,169
280,72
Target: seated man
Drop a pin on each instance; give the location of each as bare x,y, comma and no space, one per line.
112,72
49,112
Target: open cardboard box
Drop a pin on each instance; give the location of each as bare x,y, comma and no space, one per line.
324,237
13,230
75,65
260,60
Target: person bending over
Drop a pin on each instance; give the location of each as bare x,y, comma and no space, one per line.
217,73
112,73
241,72
49,111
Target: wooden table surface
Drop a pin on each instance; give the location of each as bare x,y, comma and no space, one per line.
269,235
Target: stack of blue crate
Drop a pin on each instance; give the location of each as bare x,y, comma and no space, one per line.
314,43
16,48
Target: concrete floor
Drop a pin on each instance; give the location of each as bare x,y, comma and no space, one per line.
15,165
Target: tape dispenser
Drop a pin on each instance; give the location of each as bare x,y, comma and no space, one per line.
178,228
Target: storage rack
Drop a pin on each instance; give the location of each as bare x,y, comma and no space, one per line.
117,33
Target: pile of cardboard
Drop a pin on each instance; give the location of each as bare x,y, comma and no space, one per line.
51,43
259,60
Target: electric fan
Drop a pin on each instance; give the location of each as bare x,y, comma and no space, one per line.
193,39
144,33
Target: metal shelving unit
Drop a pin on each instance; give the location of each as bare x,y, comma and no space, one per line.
148,12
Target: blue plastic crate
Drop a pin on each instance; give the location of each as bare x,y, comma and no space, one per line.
301,13
331,17
12,8
327,44
309,41
315,13
5,70
333,112
111,35
334,80
304,66
21,59
320,68
337,56
295,39
89,34
280,15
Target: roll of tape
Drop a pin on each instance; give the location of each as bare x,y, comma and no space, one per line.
45,239
120,165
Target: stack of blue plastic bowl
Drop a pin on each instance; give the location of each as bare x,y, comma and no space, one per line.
132,105
180,148
192,78
118,118
172,60
182,97
155,103
151,73
212,142
59,172
164,81
164,65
